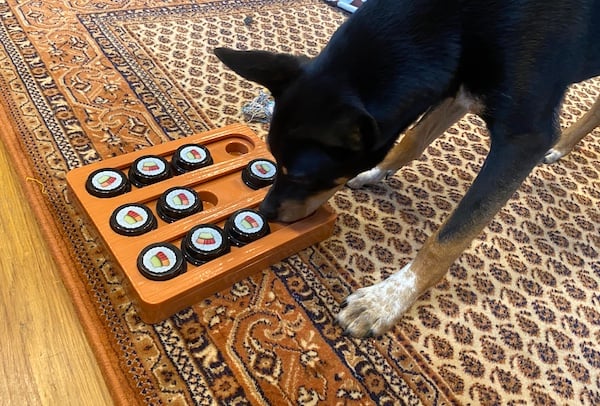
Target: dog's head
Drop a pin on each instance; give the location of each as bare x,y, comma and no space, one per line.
320,134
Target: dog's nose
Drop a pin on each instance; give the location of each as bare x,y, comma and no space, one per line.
268,210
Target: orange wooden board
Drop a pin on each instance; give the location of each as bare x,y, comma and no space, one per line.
222,192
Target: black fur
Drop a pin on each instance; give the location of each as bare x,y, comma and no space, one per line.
339,114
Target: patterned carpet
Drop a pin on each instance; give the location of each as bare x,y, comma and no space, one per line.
516,321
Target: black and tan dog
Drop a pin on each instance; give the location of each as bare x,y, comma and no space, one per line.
394,62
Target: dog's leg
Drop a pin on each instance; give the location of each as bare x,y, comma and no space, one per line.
574,134
375,309
415,140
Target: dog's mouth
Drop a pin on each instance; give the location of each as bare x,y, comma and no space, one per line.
288,210
291,211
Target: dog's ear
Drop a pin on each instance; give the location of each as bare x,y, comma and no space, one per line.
362,135
369,131
360,132
274,71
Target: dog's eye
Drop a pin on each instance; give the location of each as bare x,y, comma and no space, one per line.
299,179
303,180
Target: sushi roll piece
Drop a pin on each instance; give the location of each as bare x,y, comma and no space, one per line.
177,203
203,243
190,157
161,261
132,220
149,169
107,182
259,173
245,226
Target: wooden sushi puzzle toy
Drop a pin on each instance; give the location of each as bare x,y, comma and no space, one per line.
180,220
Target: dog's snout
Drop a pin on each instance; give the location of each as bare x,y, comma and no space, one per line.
268,210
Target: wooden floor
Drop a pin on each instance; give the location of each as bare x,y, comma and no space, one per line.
45,358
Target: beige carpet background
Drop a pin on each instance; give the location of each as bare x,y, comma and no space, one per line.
515,322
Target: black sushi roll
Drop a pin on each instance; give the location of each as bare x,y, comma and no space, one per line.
149,169
190,157
132,219
161,261
107,182
245,226
259,173
203,243
177,203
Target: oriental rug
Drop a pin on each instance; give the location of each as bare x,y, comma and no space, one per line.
516,320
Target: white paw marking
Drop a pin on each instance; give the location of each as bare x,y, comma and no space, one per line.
368,177
373,310
552,156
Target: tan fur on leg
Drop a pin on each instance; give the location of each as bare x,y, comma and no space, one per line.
572,135
414,141
373,310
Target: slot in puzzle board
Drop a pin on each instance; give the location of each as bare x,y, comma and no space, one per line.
222,191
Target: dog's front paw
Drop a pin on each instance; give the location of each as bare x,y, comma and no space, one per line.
553,155
373,310
368,177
